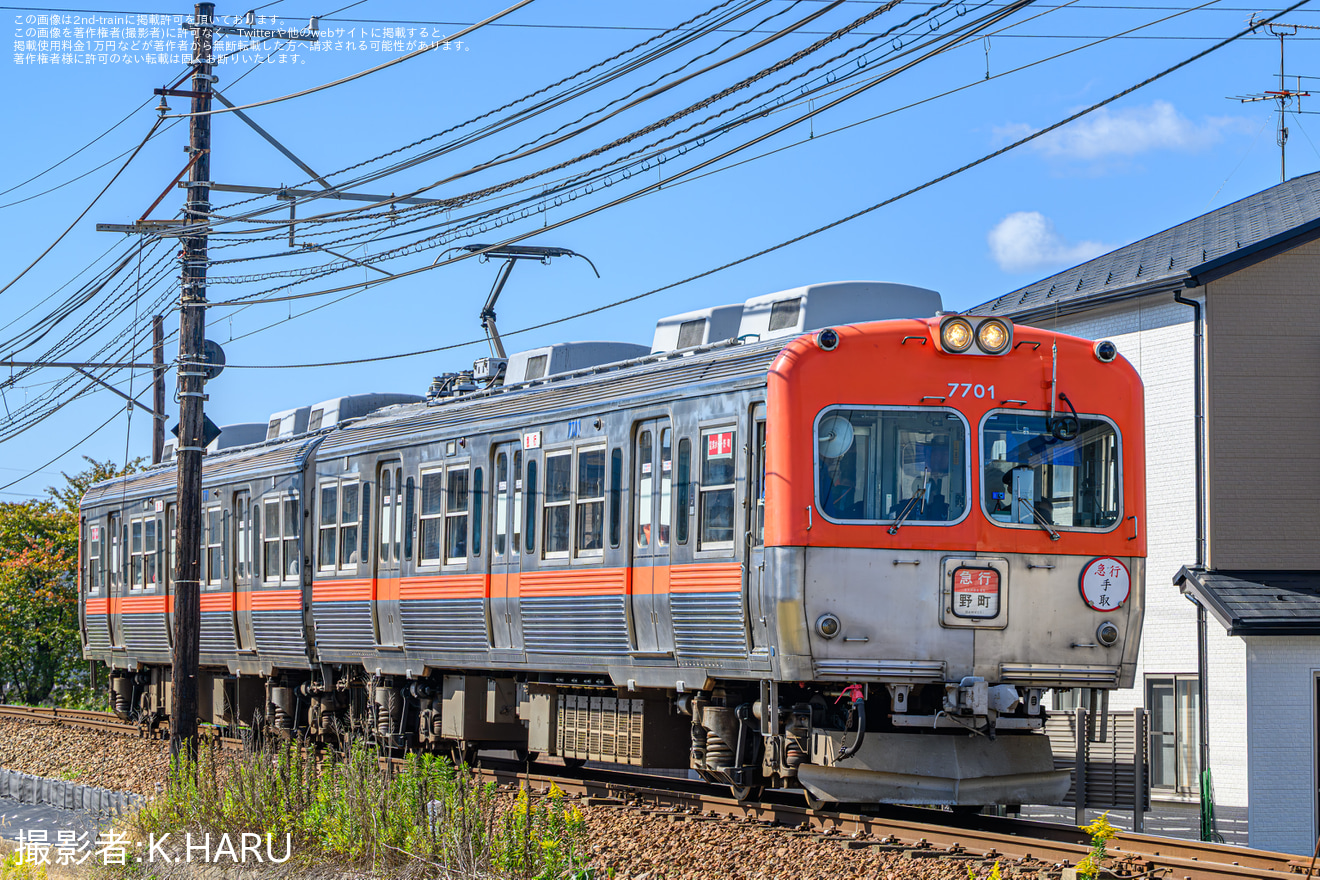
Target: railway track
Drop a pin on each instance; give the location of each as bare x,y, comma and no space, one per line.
918,833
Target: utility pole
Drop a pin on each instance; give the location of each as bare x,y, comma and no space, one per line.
158,388
191,381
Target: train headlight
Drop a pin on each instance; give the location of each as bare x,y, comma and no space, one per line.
828,625
956,335
993,336
1105,351
1107,633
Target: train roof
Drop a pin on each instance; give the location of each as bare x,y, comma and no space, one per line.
657,376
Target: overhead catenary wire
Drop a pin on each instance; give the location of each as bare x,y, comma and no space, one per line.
89,207
826,227
950,40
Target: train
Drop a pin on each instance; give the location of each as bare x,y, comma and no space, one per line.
830,539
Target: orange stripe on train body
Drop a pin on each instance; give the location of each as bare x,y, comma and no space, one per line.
873,366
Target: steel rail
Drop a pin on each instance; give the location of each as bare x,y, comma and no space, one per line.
916,831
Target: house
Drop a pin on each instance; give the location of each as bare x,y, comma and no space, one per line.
1221,316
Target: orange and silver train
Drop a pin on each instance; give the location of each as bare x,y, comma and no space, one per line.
831,539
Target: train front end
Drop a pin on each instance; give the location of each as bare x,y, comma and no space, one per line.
954,525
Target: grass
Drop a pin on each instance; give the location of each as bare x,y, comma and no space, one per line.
347,811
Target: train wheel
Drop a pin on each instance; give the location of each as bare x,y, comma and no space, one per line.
744,793
574,763
814,803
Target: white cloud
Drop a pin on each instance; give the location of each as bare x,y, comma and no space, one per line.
1128,132
1027,240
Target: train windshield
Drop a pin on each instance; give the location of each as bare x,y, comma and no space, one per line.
1033,477
876,465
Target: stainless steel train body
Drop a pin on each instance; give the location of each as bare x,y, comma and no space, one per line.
642,563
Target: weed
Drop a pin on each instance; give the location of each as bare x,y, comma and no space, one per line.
352,809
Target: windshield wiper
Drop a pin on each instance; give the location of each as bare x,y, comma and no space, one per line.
911,503
1040,520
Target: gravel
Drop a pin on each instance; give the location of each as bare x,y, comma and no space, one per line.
90,757
638,845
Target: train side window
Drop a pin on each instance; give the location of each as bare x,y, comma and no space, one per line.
135,584
666,486
591,502
272,542
168,538
717,488
558,503
501,539
242,534
115,568
292,562
212,565
348,525
456,516
329,519
684,479
758,526
398,514
386,513
517,500
616,496
530,524
476,511
409,511
92,582
433,514
365,530
645,484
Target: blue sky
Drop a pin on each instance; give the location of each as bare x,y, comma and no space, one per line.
1154,158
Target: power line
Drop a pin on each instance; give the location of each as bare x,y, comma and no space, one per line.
85,210
42,467
828,226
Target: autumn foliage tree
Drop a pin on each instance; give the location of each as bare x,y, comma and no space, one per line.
40,646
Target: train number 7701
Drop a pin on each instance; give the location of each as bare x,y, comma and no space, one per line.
977,391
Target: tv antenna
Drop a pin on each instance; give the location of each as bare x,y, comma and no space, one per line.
1283,96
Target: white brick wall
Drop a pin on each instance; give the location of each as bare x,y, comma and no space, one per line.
1281,673
1156,335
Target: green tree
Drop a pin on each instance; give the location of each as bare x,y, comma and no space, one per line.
40,644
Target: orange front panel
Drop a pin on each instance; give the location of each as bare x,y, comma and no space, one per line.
217,602
276,600
356,590
581,582
804,380
715,577
454,586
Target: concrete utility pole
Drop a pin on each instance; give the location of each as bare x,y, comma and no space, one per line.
191,381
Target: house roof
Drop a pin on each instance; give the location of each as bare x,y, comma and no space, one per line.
1257,603
1175,258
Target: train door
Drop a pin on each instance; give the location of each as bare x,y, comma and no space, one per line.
506,547
653,517
389,551
757,584
245,574
114,607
